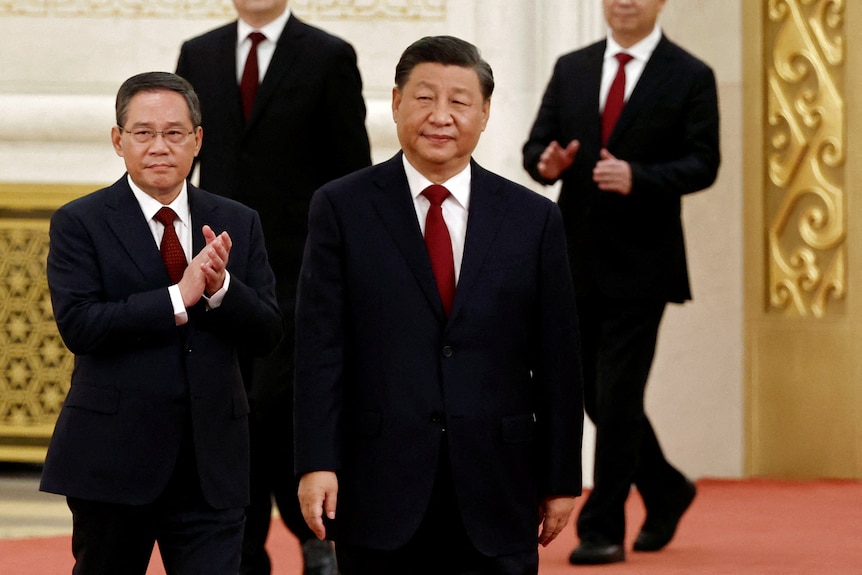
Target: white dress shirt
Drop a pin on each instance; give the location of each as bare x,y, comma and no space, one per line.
265,49
640,52
455,207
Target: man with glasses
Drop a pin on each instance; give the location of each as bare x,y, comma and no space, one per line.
152,442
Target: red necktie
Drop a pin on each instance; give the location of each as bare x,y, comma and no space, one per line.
250,81
172,252
439,245
616,97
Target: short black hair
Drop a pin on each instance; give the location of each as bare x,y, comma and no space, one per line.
446,50
153,82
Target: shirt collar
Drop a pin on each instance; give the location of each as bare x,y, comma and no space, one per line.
272,31
458,185
150,205
640,51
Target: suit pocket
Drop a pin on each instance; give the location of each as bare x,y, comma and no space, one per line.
518,428
93,398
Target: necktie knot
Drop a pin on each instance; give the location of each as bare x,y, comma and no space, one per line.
436,194
165,216
624,58
256,38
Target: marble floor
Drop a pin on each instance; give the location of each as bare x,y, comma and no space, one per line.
24,510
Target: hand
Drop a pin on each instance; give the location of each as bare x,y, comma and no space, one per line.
206,271
612,174
219,251
554,514
555,159
318,494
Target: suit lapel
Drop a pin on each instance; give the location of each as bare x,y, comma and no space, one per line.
394,206
290,45
203,211
488,204
652,82
226,83
132,231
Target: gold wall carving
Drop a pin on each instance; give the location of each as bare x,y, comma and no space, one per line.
35,366
806,152
314,9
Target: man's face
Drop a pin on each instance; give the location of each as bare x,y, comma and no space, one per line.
632,20
259,12
440,114
157,166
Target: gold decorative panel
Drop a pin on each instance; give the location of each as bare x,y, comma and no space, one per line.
35,366
806,153
315,9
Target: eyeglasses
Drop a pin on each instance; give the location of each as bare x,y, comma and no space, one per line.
146,135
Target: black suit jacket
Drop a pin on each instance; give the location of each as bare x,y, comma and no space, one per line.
382,375
631,246
138,378
307,128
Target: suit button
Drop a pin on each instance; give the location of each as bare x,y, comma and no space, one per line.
448,351
188,351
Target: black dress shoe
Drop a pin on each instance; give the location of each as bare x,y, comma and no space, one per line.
589,553
319,558
660,526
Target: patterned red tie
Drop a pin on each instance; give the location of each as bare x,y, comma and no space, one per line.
250,81
439,245
616,97
172,252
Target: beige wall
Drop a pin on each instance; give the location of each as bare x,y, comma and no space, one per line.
57,113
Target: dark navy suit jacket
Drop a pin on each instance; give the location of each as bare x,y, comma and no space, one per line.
383,376
138,378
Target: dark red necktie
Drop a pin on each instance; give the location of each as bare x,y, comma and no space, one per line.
439,245
616,97
172,252
250,80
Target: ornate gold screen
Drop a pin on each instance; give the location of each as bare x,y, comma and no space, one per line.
806,153
34,364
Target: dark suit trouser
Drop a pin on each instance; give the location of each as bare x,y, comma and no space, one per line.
271,437
618,339
193,538
441,545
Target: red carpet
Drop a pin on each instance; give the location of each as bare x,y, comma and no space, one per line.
752,527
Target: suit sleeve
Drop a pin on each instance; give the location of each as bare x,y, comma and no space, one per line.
546,129
345,119
694,163
321,353
89,319
558,372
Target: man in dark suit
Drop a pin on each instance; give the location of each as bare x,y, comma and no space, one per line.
305,127
442,425
621,202
152,441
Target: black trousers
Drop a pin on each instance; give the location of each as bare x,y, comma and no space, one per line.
618,341
193,538
441,546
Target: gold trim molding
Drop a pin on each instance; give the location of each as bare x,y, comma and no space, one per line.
420,10
806,153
